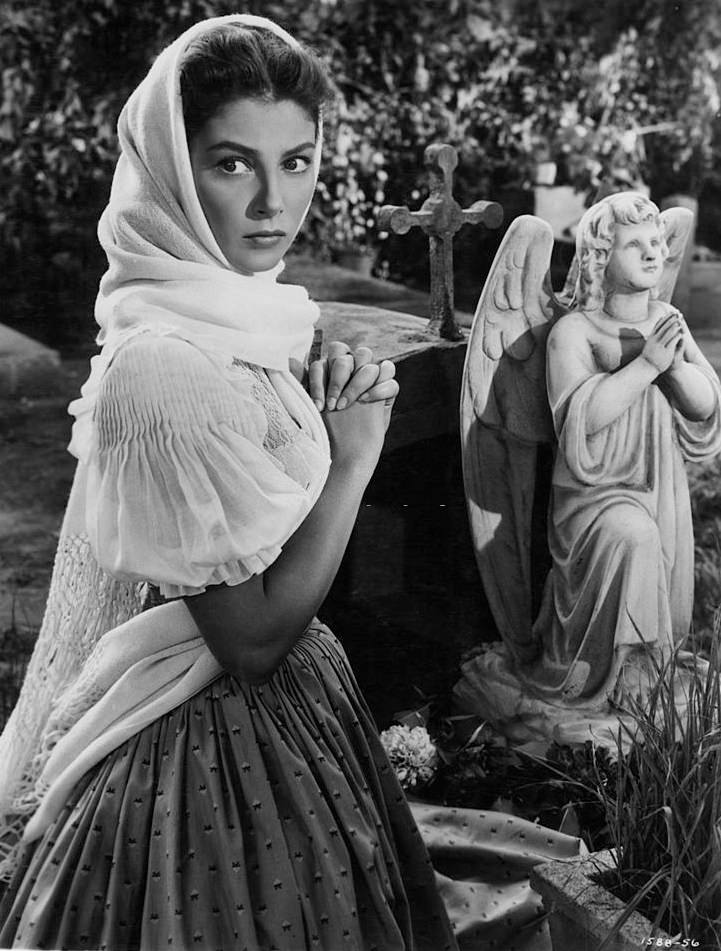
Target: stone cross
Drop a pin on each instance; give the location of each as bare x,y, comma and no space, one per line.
440,217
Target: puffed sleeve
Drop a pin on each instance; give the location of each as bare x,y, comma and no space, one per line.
181,491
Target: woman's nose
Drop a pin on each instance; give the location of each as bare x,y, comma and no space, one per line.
268,201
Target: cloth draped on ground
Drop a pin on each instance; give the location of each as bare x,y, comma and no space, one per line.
482,860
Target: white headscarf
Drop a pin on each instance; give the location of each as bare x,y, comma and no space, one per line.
166,269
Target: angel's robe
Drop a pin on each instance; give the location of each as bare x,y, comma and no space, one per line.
620,531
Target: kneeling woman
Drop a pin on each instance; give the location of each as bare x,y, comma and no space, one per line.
204,772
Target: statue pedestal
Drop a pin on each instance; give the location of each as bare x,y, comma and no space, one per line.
490,687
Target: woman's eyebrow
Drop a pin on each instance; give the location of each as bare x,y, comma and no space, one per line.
299,148
239,147
227,144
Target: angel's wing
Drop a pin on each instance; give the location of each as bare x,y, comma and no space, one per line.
505,417
678,223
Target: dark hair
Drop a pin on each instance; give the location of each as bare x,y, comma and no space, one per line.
237,62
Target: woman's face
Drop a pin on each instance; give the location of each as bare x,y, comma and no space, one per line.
253,170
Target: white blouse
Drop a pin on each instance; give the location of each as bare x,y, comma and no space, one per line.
203,467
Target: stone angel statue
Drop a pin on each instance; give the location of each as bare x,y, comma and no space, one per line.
578,411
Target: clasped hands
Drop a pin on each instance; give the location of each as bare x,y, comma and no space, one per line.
346,376
665,345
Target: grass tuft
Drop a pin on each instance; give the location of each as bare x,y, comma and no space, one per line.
664,815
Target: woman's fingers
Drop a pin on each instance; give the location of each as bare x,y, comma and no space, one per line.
365,380
343,365
361,381
340,371
316,382
387,370
385,391
319,370
336,348
344,377
362,356
386,373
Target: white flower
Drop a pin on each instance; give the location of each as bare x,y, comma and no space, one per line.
412,754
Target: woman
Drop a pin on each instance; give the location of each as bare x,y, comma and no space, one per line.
205,773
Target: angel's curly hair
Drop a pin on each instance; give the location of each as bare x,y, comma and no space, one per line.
595,236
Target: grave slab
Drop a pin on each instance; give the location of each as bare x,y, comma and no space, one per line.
428,368
27,367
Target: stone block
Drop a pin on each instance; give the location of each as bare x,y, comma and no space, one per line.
27,367
583,914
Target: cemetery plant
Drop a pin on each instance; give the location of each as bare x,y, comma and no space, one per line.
664,814
661,803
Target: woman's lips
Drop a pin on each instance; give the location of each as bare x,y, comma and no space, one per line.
265,239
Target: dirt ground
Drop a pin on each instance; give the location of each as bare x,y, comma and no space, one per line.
36,472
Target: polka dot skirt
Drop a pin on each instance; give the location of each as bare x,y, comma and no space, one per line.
259,818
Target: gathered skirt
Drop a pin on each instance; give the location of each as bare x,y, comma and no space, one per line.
254,817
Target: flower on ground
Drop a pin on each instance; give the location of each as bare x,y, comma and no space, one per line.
412,754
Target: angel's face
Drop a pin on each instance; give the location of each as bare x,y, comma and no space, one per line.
636,259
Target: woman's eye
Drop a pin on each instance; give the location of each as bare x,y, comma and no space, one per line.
298,163
234,166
